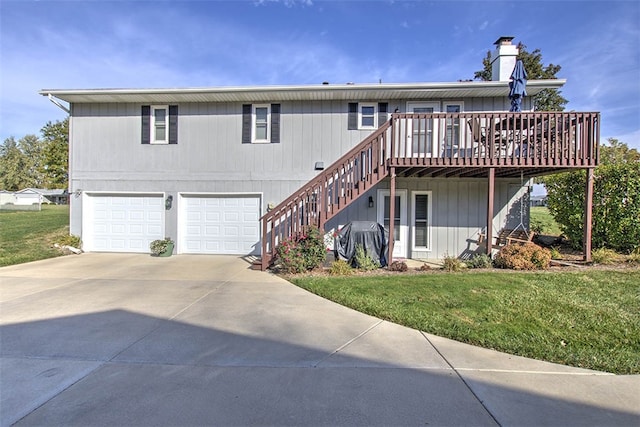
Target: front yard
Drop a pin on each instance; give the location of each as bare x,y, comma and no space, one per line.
29,235
587,318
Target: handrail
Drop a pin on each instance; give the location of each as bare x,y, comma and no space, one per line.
328,193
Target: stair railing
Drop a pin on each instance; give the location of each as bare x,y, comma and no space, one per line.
331,191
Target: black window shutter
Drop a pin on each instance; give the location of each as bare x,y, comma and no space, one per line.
275,123
352,123
246,123
146,124
173,124
383,110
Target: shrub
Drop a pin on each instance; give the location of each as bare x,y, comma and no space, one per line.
340,268
555,253
398,266
69,240
159,246
528,256
536,225
604,256
425,267
480,261
451,263
634,257
364,261
301,253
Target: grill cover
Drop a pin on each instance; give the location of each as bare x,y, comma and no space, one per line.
368,234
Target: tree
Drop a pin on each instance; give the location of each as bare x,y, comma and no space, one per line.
13,166
616,200
547,99
55,162
31,147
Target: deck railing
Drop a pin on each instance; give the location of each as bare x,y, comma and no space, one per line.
543,140
495,139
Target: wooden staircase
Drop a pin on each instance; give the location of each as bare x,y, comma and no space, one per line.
328,193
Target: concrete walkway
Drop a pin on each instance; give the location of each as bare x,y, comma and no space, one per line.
122,339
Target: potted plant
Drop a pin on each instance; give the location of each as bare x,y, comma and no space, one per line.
163,247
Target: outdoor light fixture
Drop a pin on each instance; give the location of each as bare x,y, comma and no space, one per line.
319,166
370,201
168,202
78,192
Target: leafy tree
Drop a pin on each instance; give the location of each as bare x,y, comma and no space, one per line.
55,162
616,200
31,147
547,99
14,174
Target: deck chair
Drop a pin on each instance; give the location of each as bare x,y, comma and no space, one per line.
491,141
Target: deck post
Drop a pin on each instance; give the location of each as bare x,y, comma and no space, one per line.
588,207
490,197
392,213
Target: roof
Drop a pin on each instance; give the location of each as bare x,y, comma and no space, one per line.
43,191
324,92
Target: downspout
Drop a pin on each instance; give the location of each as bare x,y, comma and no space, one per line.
58,104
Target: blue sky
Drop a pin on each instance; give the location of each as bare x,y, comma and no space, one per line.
146,44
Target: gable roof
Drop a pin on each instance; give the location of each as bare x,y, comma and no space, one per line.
324,92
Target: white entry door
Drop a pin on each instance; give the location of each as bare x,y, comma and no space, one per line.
422,133
401,229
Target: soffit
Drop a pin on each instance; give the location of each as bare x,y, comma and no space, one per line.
257,94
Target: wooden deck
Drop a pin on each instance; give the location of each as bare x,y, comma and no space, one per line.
492,145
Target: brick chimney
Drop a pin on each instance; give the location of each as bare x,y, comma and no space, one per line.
503,59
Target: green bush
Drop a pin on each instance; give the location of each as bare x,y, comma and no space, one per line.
555,253
451,263
536,225
616,200
398,266
634,257
340,268
302,252
364,261
69,240
528,256
480,261
604,256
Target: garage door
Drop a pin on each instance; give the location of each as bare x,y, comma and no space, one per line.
122,222
219,224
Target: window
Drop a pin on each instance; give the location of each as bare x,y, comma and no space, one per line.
367,116
422,220
452,130
159,124
260,123
260,126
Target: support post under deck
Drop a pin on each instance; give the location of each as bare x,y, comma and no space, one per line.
392,213
588,207
490,201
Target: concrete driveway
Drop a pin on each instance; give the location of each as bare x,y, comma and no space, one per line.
122,339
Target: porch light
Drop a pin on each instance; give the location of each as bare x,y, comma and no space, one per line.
319,166
370,201
168,202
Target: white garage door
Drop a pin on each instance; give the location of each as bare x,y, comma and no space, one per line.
122,222
219,224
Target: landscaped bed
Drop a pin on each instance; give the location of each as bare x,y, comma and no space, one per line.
587,317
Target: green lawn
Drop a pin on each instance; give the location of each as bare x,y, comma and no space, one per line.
29,235
587,319
540,215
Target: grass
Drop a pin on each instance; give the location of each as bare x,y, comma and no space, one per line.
540,216
29,235
586,319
